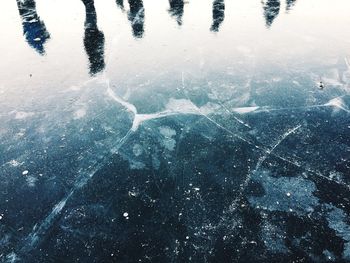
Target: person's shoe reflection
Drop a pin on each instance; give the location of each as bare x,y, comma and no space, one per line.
271,11
218,14
34,29
136,17
93,39
176,10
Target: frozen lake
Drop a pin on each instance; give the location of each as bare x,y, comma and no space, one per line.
175,131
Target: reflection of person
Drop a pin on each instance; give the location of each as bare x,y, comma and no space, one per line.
137,17
93,39
120,3
289,4
177,10
218,14
34,29
271,10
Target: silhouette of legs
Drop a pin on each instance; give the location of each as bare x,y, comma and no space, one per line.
290,4
177,10
271,10
218,14
34,29
93,39
137,17
120,4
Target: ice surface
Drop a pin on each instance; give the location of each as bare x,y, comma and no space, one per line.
174,131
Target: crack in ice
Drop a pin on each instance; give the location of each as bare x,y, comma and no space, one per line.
261,160
39,231
336,103
186,109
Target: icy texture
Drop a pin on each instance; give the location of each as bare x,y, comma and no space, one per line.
174,131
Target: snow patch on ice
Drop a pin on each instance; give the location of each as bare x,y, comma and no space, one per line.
14,163
168,142
276,198
31,180
181,105
20,115
167,132
137,149
136,165
243,110
79,113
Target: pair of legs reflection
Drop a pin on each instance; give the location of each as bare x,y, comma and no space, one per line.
272,9
176,10
36,33
136,16
93,39
34,30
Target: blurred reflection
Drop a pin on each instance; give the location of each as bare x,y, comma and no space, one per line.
34,29
290,4
176,10
271,10
137,17
93,39
218,14
120,4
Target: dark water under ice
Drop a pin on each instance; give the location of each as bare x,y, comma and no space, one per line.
171,131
